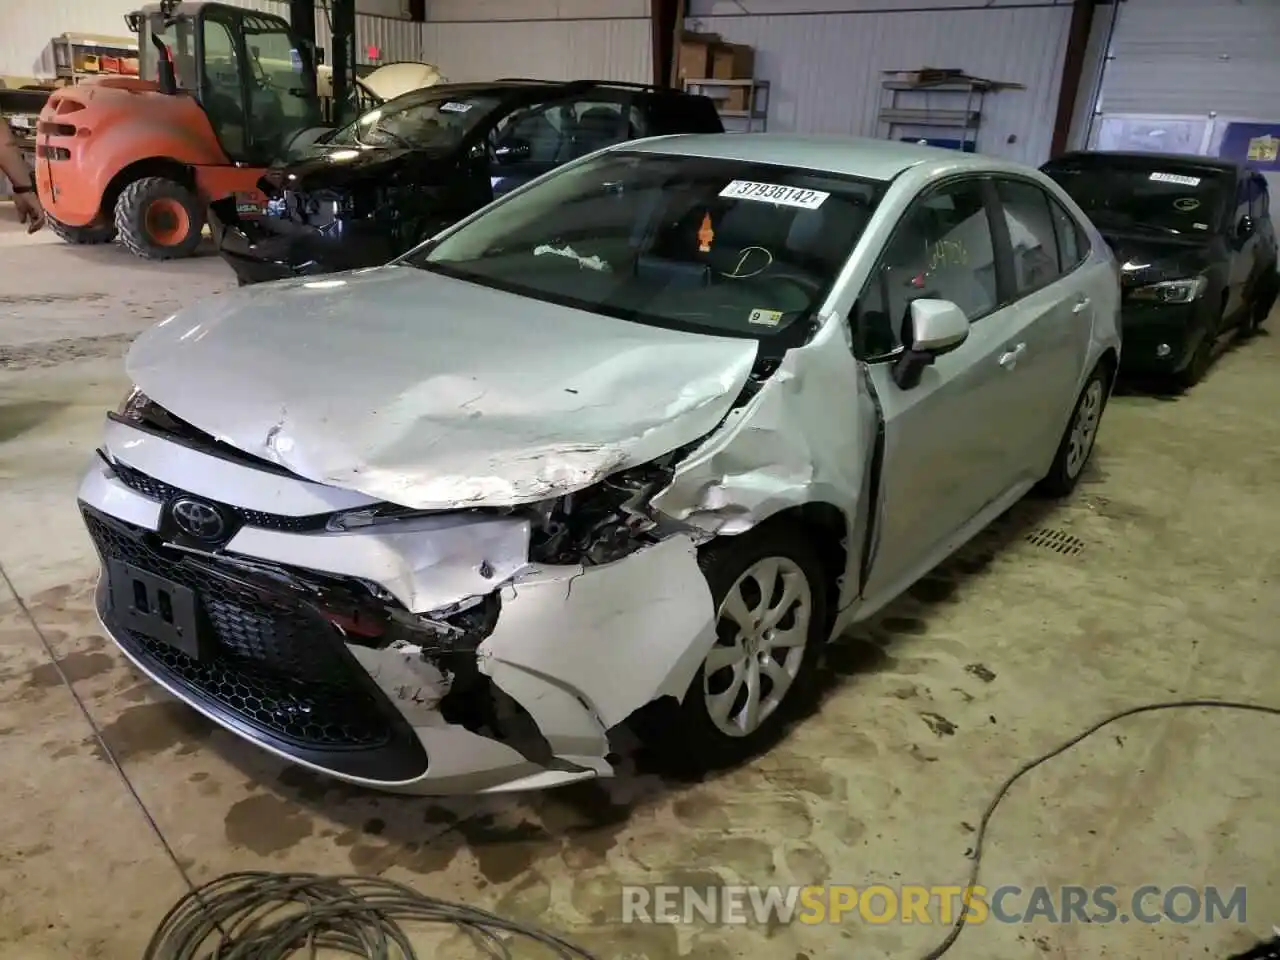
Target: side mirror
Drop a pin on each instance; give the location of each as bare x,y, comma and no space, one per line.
513,151
937,327
933,328
1245,228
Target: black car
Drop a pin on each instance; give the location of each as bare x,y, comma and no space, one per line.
416,164
1196,245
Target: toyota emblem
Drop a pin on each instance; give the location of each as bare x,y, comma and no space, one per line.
198,519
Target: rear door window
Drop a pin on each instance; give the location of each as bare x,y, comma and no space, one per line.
1032,234
1073,242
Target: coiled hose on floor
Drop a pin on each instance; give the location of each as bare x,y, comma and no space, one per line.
278,916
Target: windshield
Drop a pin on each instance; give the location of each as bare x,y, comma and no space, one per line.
1169,199
711,245
417,120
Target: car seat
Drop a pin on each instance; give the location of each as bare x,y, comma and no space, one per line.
595,129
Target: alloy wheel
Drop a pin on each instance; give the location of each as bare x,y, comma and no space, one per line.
1084,428
762,628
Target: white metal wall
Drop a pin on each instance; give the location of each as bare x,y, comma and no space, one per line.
824,59
551,39
26,28
1194,57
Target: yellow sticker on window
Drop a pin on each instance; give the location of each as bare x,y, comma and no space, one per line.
765,318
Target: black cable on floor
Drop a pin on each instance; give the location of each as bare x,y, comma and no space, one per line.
358,915
274,916
962,918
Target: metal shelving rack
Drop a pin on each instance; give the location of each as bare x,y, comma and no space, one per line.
756,109
80,55
964,121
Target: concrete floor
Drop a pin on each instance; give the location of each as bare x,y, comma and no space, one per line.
995,659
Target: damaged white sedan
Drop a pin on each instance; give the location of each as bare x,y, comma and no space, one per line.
633,442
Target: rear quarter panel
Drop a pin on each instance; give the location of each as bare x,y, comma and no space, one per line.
1099,279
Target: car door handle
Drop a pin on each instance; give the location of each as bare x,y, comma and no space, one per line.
1009,359
1081,304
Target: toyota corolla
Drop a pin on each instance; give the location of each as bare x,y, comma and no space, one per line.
630,444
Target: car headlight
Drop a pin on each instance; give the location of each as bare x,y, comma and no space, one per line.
1172,291
602,523
134,406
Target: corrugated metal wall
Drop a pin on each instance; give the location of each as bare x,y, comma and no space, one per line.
552,39
24,36
825,65
1195,57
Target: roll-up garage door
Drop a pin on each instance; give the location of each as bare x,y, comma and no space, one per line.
1194,57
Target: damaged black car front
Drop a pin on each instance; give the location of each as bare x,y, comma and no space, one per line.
367,192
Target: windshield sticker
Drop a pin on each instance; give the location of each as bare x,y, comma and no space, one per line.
705,234
1176,178
775,193
765,318
454,106
1186,204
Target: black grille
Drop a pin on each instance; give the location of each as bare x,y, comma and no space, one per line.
276,671
149,486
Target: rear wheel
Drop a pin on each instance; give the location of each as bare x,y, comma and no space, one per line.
82,235
159,219
1082,430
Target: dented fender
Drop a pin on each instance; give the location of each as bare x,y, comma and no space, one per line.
616,637
798,441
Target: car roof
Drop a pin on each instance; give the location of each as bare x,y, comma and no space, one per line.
862,157
1151,159
507,84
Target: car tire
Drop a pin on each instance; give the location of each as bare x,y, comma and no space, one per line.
1080,436
714,727
1199,364
81,236
159,219
1262,305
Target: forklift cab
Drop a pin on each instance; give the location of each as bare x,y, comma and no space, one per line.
247,70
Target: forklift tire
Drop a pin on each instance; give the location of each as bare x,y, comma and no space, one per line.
81,235
159,219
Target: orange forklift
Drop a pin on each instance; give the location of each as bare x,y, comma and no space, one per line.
221,93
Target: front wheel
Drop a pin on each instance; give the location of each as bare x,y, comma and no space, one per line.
159,219
1082,430
770,597
1262,304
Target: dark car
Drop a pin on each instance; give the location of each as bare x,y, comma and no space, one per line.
1196,245
416,164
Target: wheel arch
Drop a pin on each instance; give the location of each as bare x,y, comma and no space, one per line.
166,167
1110,361
826,528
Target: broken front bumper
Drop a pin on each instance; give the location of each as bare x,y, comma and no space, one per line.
260,250
249,634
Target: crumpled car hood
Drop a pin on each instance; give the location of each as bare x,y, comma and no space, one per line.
432,392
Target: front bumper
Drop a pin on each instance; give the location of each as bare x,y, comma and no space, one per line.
259,252
1161,338
526,701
